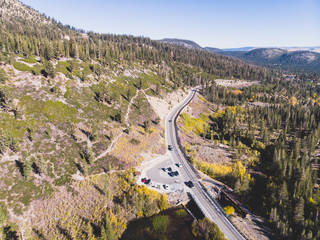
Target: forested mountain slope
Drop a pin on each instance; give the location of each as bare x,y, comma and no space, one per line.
74,106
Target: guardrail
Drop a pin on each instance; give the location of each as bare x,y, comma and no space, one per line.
212,200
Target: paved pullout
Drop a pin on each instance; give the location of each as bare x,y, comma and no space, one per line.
208,205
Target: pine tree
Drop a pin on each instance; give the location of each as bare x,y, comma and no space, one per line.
3,76
50,71
107,230
90,232
90,156
146,124
27,170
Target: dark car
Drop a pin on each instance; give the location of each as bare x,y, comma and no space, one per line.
170,148
190,184
169,169
170,120
143,179
171,174
176,173
147,181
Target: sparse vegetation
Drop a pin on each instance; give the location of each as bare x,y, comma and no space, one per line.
204,229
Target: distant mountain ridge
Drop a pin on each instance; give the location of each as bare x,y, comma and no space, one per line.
296,59
182,42
238,49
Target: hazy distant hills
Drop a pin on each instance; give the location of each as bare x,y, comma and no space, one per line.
296,59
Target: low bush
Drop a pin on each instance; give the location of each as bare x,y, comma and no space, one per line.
161,223
21,66
181,213
207,230
30,60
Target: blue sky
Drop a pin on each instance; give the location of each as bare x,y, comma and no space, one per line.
215,23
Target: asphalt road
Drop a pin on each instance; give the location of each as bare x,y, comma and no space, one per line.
208,205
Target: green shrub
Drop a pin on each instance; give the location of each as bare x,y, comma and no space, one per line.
37,69
3,216
134,141
3,76
160,223
59,112
207,230
181,213
30,60
63,67
21,66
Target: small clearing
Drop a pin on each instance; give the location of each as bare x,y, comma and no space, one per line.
235,83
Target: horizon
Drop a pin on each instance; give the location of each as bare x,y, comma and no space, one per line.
260,25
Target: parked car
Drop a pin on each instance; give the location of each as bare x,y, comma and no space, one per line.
169,169
171,174
147,181
165,186
178,164
143,179
170,148
176,173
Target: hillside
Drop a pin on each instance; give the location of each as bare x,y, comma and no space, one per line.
181,42
292,61
76,117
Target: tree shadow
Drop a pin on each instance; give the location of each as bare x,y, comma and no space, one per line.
64,232
96,228
125,97
79,167
20,166
99,189
10,234
39,234
36,169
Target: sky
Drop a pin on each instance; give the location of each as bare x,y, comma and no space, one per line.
212,23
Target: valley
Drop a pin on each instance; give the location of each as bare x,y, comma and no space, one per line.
108,136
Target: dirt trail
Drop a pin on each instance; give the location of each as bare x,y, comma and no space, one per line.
115,140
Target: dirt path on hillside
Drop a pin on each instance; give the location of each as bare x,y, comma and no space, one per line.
116,139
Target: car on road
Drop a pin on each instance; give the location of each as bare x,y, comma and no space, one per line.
170,148
170,120
165,186
189,184
178,164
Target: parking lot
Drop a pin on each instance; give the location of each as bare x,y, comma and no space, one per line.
161,177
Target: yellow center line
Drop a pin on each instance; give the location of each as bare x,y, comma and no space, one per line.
172,133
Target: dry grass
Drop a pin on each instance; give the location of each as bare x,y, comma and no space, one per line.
69,211
131,153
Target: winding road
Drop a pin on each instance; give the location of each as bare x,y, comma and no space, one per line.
208,205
